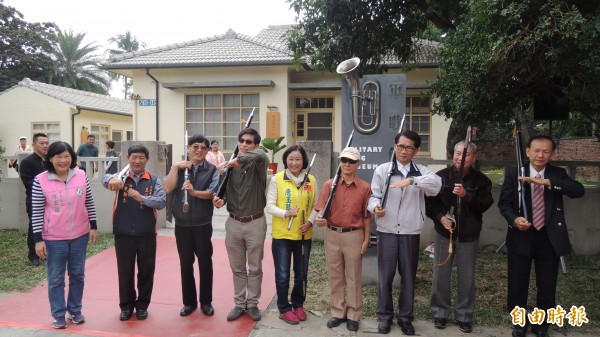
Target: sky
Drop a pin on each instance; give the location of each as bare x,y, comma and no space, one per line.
156,22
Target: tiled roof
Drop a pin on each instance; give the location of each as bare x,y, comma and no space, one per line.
228,49
268,47
428,53
275,34
80,99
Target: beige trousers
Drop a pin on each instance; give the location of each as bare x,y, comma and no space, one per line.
244,242
344,267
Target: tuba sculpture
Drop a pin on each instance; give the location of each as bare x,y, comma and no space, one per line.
366,118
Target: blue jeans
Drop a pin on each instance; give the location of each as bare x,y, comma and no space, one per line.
283,252
63,254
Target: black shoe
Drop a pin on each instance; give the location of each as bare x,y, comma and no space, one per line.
407,328
352,325
465,327
34,261
207,309
187,310
384,326
440,323
519,332
335,322
141,314
542,334
125,315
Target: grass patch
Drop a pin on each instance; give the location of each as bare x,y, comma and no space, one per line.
495,175
15,272
579,287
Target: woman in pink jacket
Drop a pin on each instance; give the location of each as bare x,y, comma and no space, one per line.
63,220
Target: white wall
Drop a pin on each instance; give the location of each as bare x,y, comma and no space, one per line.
21,106
172,102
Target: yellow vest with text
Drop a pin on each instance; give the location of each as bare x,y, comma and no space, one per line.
287,197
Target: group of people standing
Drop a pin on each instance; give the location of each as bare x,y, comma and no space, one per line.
455,198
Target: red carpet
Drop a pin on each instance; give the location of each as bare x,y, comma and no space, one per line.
101,299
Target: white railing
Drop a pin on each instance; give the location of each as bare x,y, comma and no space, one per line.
99,161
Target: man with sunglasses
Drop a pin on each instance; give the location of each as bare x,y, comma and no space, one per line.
193,228
346,240
399,228
246,227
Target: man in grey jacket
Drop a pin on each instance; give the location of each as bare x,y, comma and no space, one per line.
399,226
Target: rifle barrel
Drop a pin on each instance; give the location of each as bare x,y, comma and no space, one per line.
301,189
327,207
389,174
186,205
221,190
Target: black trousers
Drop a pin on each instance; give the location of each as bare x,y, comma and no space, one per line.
131,249
546,274
397,252
30,242
192,242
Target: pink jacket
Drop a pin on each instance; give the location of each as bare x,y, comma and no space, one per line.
66,206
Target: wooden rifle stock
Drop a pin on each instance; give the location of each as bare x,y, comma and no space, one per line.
389,174
334,182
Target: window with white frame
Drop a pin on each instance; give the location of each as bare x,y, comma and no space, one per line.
418,109
52,129
102,133
220,116
314,118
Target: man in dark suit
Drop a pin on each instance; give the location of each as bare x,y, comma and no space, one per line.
543,236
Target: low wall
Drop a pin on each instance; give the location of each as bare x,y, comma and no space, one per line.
13,214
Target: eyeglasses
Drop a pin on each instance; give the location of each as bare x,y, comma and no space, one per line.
408,149
198,147
345,160
247,141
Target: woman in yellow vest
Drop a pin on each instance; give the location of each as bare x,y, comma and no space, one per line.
288,198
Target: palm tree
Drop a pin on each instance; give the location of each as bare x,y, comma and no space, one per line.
76,65
125,43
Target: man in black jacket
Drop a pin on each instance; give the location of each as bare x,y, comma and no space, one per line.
31,166
474,190
193,228
139,197
543,235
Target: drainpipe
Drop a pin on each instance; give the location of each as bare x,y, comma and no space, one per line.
73,125
156,85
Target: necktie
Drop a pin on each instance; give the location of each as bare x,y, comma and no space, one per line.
538,205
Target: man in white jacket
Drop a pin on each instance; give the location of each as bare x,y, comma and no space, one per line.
399,227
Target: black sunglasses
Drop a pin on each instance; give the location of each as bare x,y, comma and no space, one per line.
247,141
345,160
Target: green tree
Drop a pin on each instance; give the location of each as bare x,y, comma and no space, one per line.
126,43
77,65
505,53
497,55
24,48
330,31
